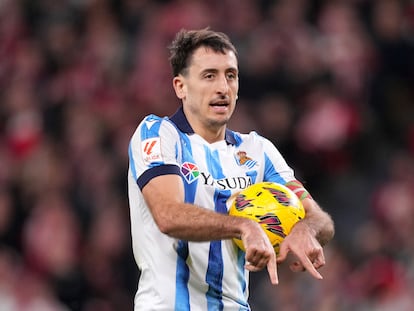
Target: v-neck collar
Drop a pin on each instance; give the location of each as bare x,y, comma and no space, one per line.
181,122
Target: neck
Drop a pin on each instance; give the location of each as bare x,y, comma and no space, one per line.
211,135
210,130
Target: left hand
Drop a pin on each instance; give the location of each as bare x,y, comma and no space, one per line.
301,242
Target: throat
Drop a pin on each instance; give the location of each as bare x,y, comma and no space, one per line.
212,135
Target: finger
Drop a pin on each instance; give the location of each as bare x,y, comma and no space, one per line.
258,264
254,260
308,265
319,261
318,264
272,270
251,267
283,251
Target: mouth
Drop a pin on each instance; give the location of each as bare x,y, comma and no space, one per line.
220,103
220,106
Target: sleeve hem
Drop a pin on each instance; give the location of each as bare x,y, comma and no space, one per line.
169,169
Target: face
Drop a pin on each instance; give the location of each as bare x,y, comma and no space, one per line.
209,89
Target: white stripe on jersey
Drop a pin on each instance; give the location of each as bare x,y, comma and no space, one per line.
181,275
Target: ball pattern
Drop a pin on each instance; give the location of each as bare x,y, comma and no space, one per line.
275,207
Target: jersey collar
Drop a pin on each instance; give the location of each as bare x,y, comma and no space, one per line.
181,122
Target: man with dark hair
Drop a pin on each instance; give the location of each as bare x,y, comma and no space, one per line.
183,169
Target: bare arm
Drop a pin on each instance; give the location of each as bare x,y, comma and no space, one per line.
164,196
306,239
319,221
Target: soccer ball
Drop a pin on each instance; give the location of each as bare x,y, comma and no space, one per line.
274,206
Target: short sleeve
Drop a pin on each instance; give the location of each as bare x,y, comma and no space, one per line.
276,168
153,149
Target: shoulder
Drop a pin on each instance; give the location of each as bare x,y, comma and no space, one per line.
252,138
254,143
152,122
153,125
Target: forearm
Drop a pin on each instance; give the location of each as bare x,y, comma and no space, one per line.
194,223
164,197
318,221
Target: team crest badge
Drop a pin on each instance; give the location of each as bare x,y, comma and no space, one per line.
243,159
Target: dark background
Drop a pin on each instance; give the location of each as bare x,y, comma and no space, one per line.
329,82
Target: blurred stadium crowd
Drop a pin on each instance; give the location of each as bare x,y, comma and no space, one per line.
330,82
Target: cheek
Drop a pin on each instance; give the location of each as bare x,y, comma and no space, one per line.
193,92
235,87
194,97
233,107
199,96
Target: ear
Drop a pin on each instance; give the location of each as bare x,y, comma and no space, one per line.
179,86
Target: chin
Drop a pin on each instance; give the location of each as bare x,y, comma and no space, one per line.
219,123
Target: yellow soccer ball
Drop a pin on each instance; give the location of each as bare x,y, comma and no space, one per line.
275,207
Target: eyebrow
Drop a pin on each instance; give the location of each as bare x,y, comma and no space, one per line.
214,70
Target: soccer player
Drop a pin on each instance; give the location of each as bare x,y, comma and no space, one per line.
183,169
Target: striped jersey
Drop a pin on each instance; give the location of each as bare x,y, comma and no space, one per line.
184,275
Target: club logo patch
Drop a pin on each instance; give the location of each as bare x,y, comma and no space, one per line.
151,150
190,172
243,159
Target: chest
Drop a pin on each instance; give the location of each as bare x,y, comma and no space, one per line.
220,166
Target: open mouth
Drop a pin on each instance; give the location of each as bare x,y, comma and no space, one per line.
220,104
220,107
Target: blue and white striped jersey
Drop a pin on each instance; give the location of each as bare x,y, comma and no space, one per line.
183,275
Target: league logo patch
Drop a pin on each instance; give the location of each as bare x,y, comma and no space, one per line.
190,172
151,150
243,159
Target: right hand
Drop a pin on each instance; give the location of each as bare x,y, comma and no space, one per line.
259,250
307,251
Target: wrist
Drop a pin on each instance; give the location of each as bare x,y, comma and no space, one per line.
240,226
303,225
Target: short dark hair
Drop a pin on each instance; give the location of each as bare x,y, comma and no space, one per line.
187,41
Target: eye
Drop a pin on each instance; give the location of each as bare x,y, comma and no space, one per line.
209,76
231,76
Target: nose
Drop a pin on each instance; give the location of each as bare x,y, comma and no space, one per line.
222,86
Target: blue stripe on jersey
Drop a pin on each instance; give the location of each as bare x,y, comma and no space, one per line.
238,139
233,138
213,163
214,277
182,296
270,173
187,156
215,269
150,127
240,264
132,162
252,175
